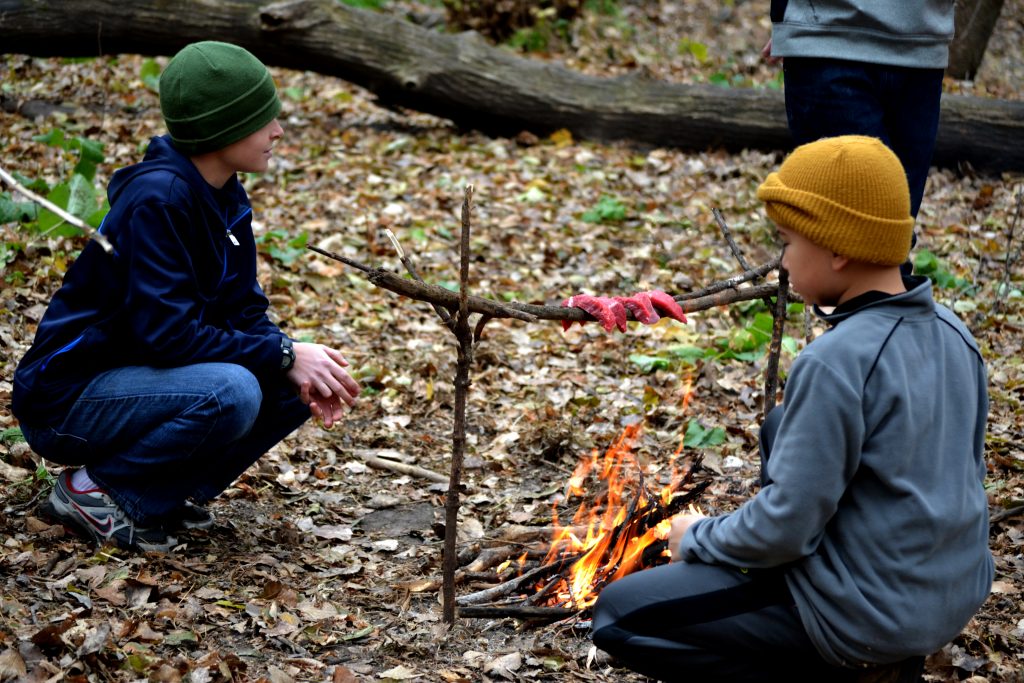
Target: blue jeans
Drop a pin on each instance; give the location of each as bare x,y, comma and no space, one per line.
898,105
154,437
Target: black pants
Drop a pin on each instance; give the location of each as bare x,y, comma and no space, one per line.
700,622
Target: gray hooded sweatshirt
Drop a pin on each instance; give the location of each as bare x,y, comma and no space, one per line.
876,505
912,33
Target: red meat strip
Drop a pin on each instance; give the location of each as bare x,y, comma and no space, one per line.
666,305
618,310
641,307
596,306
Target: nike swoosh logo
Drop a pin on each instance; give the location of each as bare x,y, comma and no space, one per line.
103,526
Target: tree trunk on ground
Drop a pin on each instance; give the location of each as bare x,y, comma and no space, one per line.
462,78
975,21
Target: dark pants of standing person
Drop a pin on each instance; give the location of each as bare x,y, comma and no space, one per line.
694,621
898,105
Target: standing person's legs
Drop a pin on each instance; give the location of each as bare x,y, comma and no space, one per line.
912,99
900,106
153,437
685,621
830,97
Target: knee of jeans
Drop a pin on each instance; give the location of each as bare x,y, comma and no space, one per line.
239,401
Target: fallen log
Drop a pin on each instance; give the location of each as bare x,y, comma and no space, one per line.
464,79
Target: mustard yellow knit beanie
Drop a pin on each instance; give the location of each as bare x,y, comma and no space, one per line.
847,194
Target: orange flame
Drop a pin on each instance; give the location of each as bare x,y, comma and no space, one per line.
614,537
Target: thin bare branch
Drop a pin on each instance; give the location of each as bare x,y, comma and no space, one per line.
441,311
731,283
735,248
1011,254
462,383
95,235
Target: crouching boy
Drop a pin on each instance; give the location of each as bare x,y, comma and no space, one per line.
866,545
156,374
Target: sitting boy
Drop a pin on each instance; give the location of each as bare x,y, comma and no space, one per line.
867,543
155,369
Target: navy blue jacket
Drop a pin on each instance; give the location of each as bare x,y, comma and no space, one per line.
179,289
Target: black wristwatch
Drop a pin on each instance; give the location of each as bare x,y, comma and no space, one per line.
287,353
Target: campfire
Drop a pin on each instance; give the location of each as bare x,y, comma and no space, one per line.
618,530
625,526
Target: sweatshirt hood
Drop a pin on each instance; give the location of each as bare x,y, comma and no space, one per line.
163,156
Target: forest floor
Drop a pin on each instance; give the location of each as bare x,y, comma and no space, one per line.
324,567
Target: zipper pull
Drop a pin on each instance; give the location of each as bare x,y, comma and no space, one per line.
234,240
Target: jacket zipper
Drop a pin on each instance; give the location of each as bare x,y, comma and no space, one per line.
230,236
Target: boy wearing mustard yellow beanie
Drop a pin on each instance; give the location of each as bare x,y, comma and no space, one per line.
865,548
156,370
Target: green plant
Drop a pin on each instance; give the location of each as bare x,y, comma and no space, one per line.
697,50
11,435
279,246
149,74
746,344
607,210
699,436
926,263
546,28
77,194
607,7
365,4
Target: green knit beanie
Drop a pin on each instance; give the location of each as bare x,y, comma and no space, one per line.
213,94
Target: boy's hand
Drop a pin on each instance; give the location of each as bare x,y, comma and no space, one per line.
680,523
324,384
766,54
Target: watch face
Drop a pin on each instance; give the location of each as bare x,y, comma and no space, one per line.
287,354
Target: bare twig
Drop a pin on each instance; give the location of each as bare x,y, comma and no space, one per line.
344,259
462,382
442,312
731,283
721,294
516,611
735,248
524,534
404,468
95,235
424,291
512,585
1006,514
1011,254
771,371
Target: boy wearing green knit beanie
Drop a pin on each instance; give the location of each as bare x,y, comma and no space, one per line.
866,547
156,374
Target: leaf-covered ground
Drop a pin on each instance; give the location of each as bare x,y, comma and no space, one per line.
322,567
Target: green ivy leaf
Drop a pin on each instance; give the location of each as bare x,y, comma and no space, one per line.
55,138
698,436
607,210
649,363
81,197
149,74
12,211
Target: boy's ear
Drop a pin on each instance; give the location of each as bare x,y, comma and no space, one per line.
839,262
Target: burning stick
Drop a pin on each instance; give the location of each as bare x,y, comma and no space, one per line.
621,537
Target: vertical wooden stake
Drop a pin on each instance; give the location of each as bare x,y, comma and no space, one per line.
771,380
465,340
